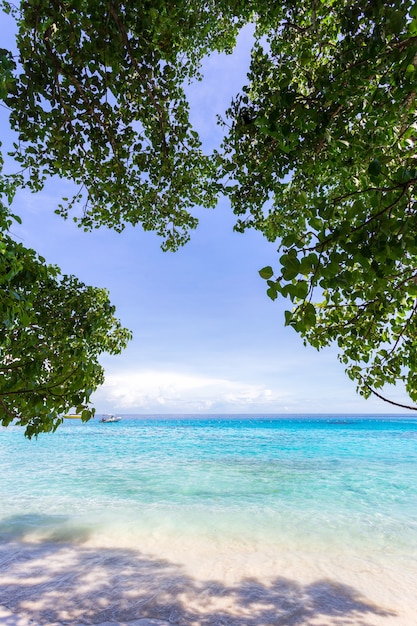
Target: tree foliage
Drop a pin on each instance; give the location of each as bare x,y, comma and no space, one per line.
318,154
53,329
327,167
101,100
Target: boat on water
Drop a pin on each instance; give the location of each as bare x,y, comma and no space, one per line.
110,419
72,416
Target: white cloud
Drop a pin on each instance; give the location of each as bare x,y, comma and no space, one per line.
165,391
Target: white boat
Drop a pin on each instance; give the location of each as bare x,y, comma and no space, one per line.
109,419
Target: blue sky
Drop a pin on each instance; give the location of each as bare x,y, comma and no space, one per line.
206,336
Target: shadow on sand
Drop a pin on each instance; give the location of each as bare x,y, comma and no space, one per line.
58,580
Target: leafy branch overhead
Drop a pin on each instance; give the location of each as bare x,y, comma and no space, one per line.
101,100
328,168
318,153
53,329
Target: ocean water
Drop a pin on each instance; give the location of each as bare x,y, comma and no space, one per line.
212,513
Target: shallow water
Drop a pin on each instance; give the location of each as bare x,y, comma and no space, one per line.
325,504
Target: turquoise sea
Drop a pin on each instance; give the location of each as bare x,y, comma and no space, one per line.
212,520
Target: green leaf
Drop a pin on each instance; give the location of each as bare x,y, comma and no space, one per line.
291,266
308,316
374,168
272,293
300,289
266,272
288,317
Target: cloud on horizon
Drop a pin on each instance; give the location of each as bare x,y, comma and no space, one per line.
173,392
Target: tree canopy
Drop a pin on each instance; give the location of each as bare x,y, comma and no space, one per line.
53,329
318,151
322,156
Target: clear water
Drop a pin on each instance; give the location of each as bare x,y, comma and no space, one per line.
213,488
329,476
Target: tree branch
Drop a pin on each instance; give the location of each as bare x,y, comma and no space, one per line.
378,395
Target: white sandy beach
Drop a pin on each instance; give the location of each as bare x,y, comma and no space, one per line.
54,584
7,618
